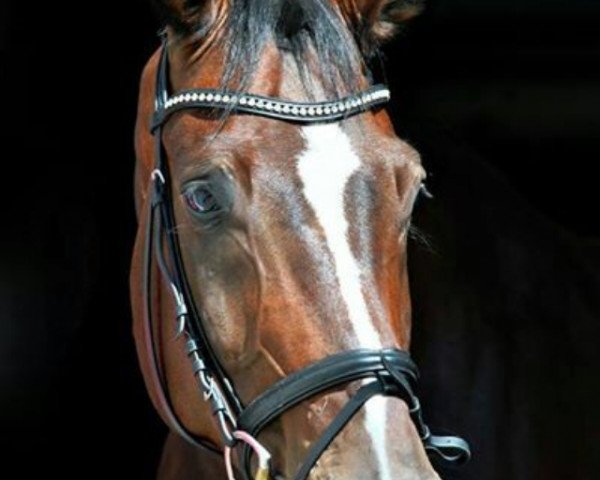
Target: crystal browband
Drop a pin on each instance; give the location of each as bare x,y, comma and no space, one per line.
300,112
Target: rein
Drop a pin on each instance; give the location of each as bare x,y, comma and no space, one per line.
389,372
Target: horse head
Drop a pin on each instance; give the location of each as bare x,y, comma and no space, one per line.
291,235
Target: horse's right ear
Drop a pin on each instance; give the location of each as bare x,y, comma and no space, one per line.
187,16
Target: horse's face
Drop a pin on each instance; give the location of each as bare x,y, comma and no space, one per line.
294,244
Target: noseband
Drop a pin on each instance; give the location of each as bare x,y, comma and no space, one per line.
389,372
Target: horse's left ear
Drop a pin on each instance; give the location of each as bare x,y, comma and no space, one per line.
376,21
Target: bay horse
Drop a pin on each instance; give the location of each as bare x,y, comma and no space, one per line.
274,201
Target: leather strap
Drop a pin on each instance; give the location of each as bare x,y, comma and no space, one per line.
335,427
450,449
160,221
194,324
334,371
275,108
394,374
156,373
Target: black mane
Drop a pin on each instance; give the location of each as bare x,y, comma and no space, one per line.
303,28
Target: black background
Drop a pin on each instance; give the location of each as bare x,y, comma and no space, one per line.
514,82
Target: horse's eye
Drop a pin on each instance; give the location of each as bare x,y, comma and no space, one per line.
201,200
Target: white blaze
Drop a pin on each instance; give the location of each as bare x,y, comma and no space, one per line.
325,167
376,421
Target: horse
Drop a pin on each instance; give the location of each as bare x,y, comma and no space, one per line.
274,202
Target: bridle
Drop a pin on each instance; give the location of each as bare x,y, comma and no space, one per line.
391,371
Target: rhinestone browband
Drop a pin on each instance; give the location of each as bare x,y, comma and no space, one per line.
300,112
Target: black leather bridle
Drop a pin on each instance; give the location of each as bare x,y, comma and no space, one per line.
391,371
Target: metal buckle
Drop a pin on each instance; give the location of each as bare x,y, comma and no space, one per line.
156,173
158,183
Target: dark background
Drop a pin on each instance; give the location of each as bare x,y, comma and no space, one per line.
510,84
